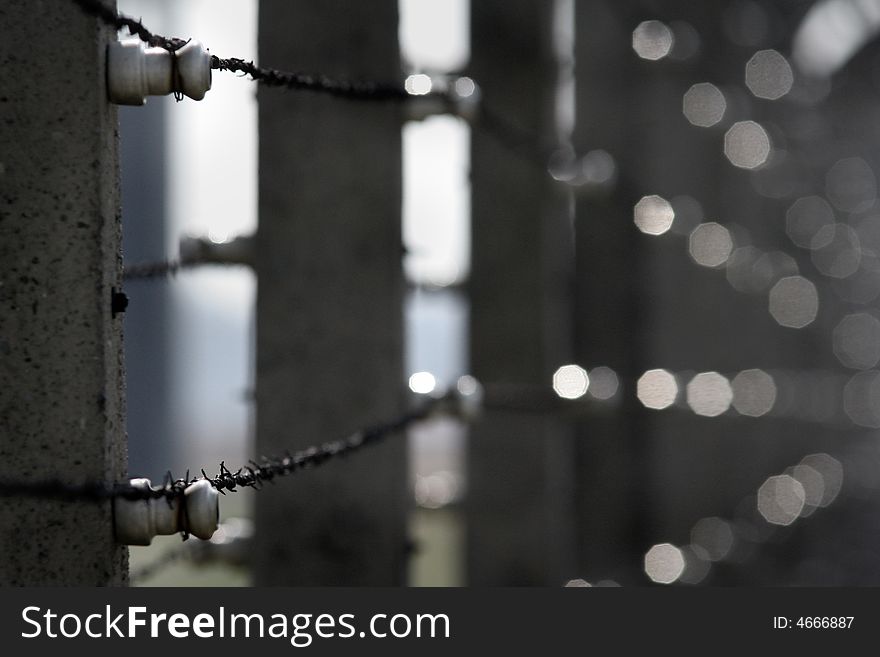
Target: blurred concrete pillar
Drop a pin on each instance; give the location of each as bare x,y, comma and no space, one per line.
519,506
610,296
329,314
61,400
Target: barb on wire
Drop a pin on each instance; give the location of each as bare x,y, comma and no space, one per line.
253,475
134,26
360,90
512,136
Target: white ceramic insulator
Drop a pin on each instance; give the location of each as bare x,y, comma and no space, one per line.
138,521
135,71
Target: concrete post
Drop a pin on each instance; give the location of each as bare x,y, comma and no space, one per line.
519,509
329,316
61,401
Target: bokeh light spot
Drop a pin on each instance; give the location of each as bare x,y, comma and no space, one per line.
861,399
781,500
769,75
652,40
856,341
570,382
422,383
710,244
418,84
704,105
813,484
836,251
832,475
604,383
657,389
664,563
794,302
806,217
851,185
709,394
754,392
746,145
653,215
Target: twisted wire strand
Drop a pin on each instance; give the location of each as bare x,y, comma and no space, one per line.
134,26
358,90
253,475
512,136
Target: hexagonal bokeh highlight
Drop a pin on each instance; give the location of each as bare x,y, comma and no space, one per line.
704,105
856,341
710,244
746,145
861,399
653,215
571,382
836,250
769,75
604,383
664,563
794,302
806,217
781,499
831,471
754,392
851,185
652,40
709,394
657,389
813,484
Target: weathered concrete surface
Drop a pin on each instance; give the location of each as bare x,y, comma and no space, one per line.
61,402
329,316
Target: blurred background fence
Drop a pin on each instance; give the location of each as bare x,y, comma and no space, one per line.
654,243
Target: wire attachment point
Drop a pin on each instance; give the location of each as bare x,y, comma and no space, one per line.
135,71
150,512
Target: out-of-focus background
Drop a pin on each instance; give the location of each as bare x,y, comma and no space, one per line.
649,229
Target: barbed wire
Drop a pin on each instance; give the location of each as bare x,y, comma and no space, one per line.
253,475
134,26
357,90
512,136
